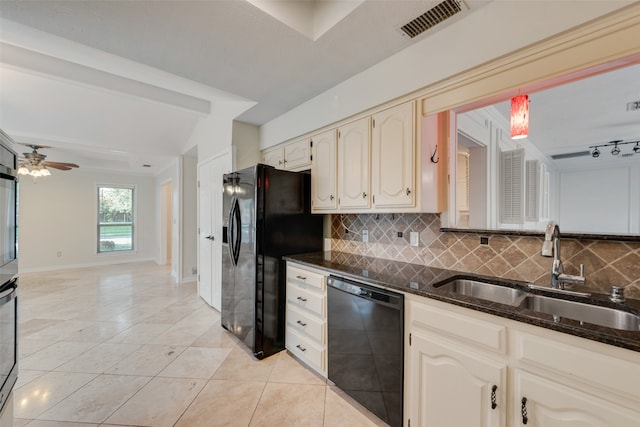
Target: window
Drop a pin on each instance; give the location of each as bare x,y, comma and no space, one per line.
115,218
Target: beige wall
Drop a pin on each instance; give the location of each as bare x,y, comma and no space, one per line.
246,141
58,215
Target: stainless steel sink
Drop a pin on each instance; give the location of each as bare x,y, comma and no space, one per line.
485,291
597,315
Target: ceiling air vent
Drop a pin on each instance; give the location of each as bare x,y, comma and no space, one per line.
432,17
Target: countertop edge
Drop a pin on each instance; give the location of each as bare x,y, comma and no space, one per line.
591,332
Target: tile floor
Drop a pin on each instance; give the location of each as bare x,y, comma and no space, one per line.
124,345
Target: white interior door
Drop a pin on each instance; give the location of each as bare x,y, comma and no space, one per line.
210,228
205,247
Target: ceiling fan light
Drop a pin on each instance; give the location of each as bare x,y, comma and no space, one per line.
519,117
23,170
44,172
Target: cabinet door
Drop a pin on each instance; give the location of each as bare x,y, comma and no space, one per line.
353,164
274,157
450,386
297,154
323,172
550,404
393,152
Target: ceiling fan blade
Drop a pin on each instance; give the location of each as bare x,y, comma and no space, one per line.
60,165
34,146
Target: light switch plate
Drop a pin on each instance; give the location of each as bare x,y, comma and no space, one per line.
415,239
365,236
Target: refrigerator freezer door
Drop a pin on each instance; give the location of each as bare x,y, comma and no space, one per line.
238,286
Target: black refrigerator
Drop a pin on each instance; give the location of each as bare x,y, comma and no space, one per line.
267,215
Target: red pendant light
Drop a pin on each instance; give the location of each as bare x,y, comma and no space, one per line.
519,117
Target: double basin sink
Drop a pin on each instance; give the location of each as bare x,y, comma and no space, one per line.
557,307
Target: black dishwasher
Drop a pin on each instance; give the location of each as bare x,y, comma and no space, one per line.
365,345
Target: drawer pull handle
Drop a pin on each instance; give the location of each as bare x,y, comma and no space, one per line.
301,323
304,349
301,277
525,418
302,299
493,396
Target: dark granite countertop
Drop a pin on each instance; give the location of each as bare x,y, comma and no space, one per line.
420,280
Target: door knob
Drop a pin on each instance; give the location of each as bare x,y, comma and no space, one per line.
210,237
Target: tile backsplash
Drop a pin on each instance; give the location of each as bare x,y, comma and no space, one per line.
606,262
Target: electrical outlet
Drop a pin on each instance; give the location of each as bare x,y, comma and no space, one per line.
484,240
414,238
365,236
400,234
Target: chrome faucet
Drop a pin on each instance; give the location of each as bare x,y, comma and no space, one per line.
551,247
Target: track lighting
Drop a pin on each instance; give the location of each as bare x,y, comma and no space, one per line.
615,151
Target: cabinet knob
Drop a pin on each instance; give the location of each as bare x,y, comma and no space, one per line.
364,195
301,277
302,299
304,349
331,197
523,410
279,162
301,323
408,191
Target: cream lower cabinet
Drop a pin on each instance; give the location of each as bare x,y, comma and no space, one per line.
466,368
306,316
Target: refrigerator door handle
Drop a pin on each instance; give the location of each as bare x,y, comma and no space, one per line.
230,237
233,231
237,235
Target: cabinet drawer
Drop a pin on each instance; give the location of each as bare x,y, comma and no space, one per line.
307,299
611,373
485,334
305,278
306,350
306,324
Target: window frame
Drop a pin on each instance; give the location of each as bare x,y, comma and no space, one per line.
134,209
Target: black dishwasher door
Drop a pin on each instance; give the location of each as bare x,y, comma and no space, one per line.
365,346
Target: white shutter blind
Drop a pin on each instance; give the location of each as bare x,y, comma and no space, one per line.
511,186
532,190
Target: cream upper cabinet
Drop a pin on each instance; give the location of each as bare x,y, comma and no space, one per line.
274,157
297,155
323,172
393,157
294,155
354,141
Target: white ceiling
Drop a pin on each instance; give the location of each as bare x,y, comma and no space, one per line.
181,58
572,117
231,45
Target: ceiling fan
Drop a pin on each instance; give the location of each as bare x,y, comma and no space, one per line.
34,163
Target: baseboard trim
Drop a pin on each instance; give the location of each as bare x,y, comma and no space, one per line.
84,265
